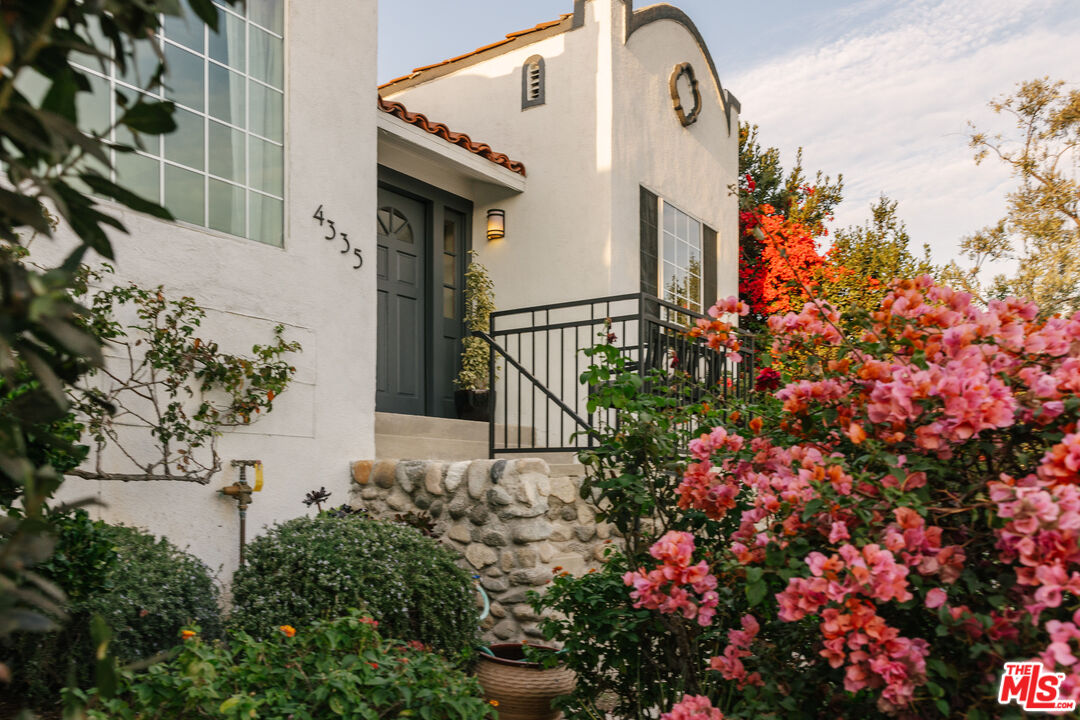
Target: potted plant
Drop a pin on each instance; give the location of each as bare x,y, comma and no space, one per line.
523,688
472,399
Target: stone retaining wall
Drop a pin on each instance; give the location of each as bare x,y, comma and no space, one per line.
513,524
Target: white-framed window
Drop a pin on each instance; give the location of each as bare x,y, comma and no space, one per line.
680,254
224,166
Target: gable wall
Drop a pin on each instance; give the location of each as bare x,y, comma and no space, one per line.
691,167
557,240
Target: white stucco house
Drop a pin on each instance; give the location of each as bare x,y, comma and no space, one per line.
603,142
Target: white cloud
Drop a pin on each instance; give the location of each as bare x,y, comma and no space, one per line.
888,103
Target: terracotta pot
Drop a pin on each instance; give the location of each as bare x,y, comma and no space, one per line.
524,690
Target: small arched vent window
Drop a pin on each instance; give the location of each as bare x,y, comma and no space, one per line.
532,82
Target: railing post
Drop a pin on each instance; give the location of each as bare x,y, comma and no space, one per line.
491,393
641,335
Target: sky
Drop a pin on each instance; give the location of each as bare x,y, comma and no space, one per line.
880,91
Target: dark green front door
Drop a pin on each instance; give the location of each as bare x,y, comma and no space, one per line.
423,242
402,304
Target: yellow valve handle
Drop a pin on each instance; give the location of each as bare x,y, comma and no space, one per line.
258,476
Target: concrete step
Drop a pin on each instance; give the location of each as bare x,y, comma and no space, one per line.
403,447
420,426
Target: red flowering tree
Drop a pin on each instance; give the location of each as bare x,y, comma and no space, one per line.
794,210
906,519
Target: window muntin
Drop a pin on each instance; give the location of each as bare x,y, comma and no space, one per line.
223,168
681,253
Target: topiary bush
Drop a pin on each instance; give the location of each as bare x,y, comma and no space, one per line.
338,668
317,568
145,589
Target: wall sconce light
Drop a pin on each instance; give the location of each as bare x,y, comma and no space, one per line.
496,224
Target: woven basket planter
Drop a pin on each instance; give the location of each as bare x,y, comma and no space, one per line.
523,690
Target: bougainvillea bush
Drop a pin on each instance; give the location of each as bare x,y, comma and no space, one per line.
908,517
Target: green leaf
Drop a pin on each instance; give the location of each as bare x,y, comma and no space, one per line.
755,592
152,118
100,185
206,12
229,704
7,49
812,508
61,96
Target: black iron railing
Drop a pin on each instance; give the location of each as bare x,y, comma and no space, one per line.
536,361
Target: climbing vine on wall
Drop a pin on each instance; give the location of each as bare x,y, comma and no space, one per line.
165,379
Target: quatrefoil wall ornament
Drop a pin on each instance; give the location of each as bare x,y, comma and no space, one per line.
686,118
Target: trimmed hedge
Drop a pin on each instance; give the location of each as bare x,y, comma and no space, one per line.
146,589
308,569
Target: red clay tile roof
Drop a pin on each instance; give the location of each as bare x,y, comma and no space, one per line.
510,37
482,149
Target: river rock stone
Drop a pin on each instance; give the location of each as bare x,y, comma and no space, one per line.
480,556
505,629
459,507
398,500
523,511
532,630
478,477
584,533
531,465
497,469
546,551
455,474
565,489
499,496
361,471
433,475
459,532
384,473
479,514
495,538
409,474
525,612
534,576
517,595
531,530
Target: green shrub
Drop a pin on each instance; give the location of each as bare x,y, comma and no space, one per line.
145,589
317,568
338,668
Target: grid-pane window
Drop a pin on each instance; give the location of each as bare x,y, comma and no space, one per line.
223,167
681,266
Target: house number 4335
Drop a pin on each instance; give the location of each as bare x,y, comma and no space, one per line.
342,236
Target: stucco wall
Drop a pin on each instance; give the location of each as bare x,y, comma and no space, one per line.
606,128
557,231
691,167
326,418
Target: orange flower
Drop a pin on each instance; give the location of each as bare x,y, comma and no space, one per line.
187,634
493,703
856,433
755,426
289,630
